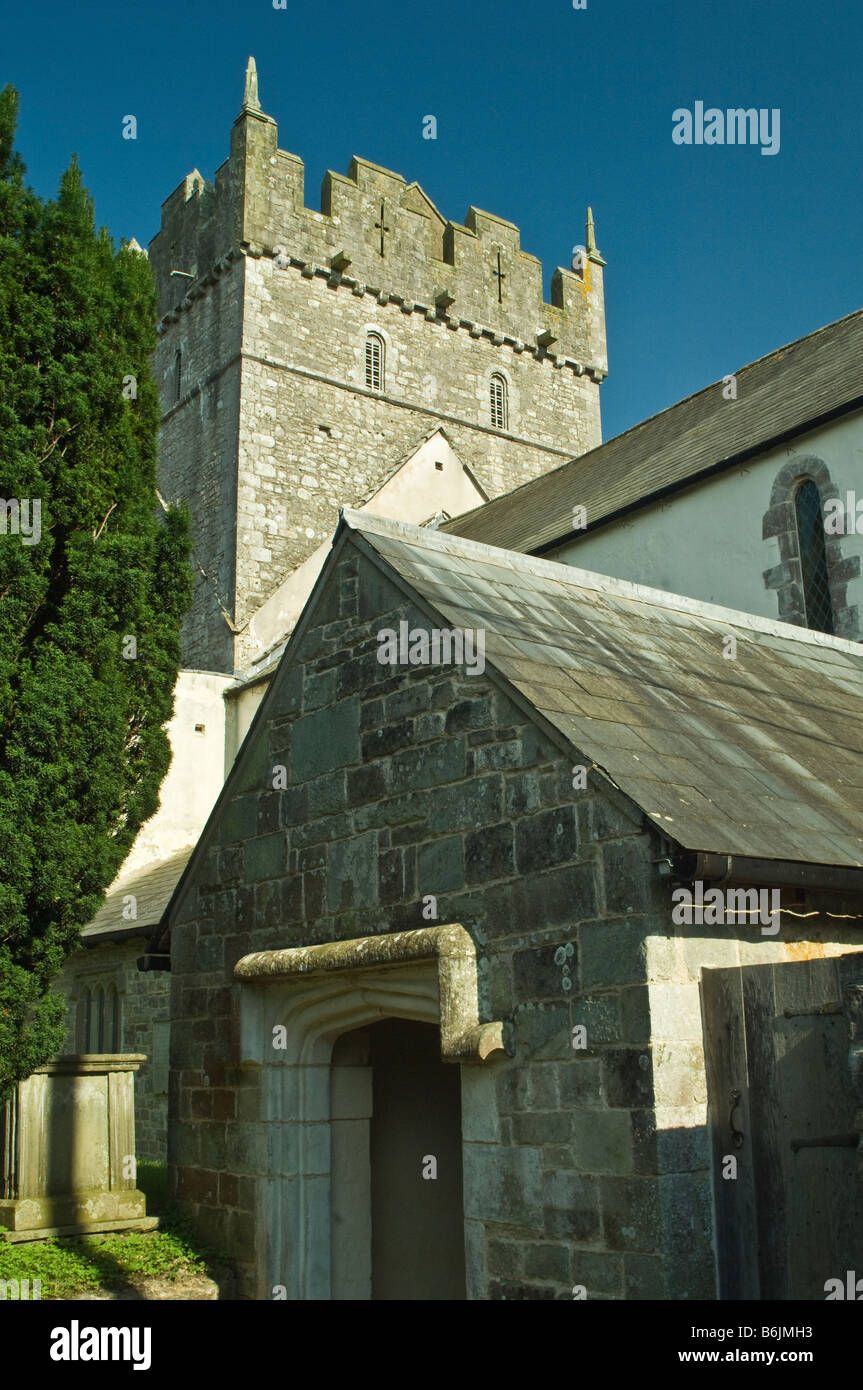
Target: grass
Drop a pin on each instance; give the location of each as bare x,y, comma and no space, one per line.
73,1266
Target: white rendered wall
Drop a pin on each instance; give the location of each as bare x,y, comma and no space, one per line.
707,542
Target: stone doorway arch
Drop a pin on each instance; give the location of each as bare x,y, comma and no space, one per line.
295,1004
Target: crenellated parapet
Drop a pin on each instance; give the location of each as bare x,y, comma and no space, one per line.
379,234
302,352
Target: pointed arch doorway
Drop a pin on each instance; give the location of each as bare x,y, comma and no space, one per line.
316,1227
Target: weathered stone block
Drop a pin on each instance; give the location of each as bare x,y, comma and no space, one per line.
627,1077
268,813
609,820
708,952
467,805
292,899
505,1258
246,1149
352,876
366,784
626,874
522,793
675,1011
265,857
489,854
682,1140
537,975
469,714
536,1127
572,1212
432,765
542,1032
210,954
561,897
600,1015
635,1012
599,1271
687,1211
498,756
545,840
631,1213
580,1082
480,1106
603,1141
293,805
612,954
644,1276
319,689
239,819
288,696
547,1262
691,1275
327,795
542,1090
440,866
414,699
326,739
501,1184
536,746
678,1074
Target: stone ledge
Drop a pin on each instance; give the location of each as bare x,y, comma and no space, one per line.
84,1228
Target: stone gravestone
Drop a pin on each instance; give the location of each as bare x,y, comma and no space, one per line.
67,1150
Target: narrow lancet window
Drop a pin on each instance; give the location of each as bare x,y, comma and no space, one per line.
374,362
498,402
813,558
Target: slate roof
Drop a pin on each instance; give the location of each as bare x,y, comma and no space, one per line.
152,885
793,389
761,755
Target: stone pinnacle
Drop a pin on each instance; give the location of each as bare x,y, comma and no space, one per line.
250,96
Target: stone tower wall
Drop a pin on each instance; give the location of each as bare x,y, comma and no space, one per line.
275,427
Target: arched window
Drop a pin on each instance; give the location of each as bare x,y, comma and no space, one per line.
178,375
498,402
813,557
809,572
84,1009
112,1019
374,362
97,1021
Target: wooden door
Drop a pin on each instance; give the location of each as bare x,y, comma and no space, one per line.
782,1103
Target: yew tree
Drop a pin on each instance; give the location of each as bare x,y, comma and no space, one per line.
94,581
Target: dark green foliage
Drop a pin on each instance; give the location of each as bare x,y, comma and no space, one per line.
82,744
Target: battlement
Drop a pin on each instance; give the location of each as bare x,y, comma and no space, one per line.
302,351
377,232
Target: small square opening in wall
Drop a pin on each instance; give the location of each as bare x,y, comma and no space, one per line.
200,728
439,466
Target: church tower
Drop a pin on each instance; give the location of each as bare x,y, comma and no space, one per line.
302,353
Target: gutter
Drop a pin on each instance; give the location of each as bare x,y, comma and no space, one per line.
691,865
120,934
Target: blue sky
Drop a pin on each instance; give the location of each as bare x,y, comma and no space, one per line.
716,254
